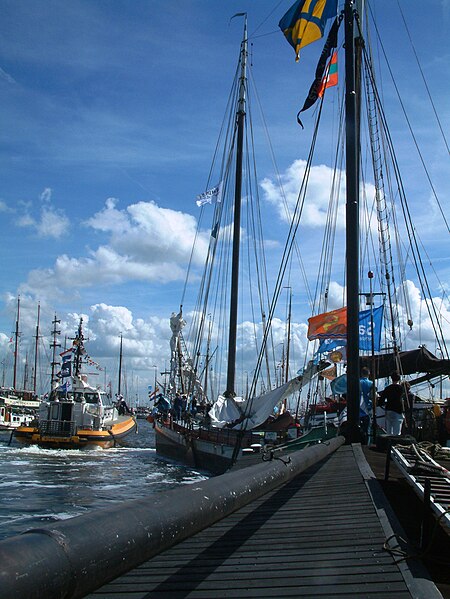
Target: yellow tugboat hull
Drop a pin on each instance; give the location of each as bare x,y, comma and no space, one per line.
83,438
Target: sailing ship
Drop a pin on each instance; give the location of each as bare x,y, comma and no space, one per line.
77,414
233,426
213,434
19,406
370,328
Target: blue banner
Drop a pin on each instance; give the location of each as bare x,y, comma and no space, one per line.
329,344
370,327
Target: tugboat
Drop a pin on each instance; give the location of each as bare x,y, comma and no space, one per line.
76,413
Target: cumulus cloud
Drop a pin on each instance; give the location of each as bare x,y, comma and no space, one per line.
52,223
317,198
49,222
103,267
321,180
146,340
418,310
110,219
149,232
145,243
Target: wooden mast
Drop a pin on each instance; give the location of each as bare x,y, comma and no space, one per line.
54,344
79,348
120,366
36,348
288,339
352,224
240,121
16,344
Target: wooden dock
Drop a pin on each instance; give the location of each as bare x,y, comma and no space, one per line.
320,535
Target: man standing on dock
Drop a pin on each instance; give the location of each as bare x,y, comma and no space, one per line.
365,403
392,398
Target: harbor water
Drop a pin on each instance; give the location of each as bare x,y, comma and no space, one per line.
40,486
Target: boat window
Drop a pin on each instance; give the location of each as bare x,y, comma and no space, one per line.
106,400
78,396
91,397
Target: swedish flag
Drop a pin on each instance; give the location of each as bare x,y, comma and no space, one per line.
304,22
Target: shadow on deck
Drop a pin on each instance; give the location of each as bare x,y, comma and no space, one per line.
319,535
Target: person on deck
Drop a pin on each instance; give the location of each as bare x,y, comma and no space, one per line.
391,398
408,405
122,406
177,406
184,405
365,403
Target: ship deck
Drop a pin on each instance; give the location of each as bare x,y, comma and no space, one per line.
320,535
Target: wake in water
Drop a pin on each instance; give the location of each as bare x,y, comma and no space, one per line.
46,485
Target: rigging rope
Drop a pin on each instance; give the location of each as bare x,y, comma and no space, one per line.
409,124
423,79
412,235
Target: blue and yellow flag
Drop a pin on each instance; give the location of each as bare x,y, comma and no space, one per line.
304,22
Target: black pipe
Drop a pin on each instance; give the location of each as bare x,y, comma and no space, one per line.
74,557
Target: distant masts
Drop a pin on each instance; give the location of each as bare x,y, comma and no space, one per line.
36,348
120,365
54,344
16,344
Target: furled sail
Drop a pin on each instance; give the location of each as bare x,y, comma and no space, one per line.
419,360
250,413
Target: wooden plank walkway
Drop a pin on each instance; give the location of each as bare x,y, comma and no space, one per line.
320,535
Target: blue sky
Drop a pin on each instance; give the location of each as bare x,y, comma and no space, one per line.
110,113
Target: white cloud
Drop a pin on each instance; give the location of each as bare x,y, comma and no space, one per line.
422,331
318,195
104,267
109,219
146,341
46,195
146,243
322,179
150,233
26,220
50,222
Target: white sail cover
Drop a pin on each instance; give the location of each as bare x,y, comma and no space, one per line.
257,410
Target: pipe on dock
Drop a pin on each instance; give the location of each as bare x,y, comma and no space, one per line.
77,556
